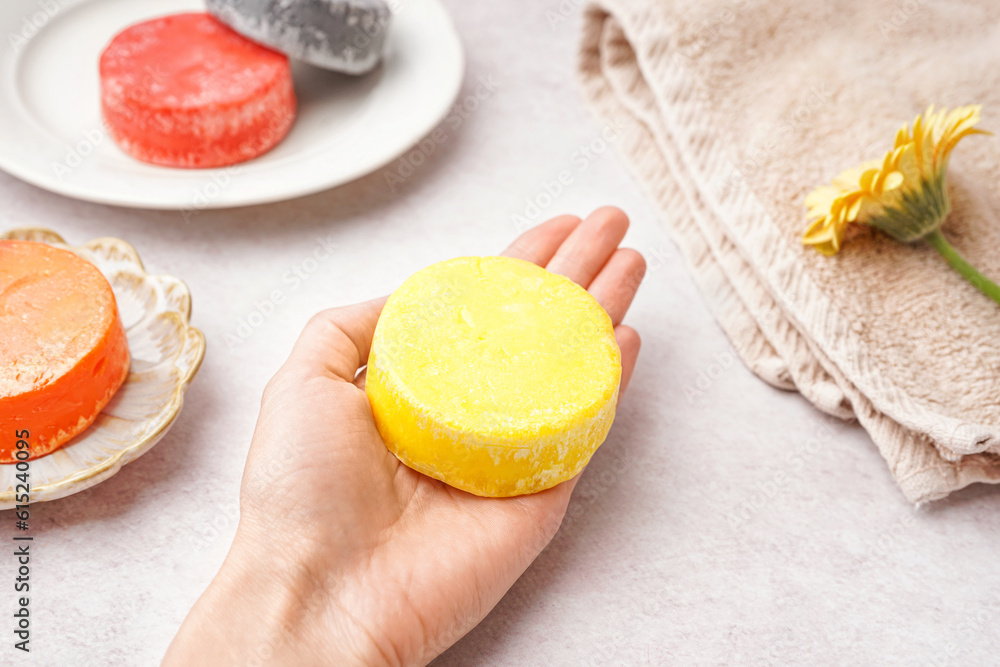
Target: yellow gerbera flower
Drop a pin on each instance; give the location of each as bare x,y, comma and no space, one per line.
903,195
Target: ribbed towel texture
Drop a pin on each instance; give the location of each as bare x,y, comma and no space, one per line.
733,111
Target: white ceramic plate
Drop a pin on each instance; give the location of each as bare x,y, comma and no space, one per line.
166,353
51,132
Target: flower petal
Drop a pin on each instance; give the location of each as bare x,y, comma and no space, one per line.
892,181
819,200
849,178
854,209
867,179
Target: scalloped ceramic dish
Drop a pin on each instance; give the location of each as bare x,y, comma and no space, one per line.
166,353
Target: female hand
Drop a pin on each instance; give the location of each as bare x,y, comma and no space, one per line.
345,556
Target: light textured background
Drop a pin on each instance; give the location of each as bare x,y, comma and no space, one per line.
722,522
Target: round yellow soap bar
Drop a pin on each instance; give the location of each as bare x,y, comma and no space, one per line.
493,375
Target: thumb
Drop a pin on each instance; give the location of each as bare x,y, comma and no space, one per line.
336,341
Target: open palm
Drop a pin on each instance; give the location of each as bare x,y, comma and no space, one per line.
385,565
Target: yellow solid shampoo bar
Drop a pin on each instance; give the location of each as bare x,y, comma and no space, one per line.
493,375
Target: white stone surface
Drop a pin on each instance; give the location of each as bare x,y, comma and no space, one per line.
656,566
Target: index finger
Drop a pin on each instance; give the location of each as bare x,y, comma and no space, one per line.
539,244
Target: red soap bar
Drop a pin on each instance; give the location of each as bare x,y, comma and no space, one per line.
63,351
187,91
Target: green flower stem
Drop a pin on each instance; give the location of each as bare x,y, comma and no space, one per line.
969,272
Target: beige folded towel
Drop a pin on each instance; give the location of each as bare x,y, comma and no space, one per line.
733,111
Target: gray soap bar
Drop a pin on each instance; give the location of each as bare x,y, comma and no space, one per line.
341,35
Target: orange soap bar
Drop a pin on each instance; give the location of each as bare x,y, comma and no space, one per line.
187,91
63,352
